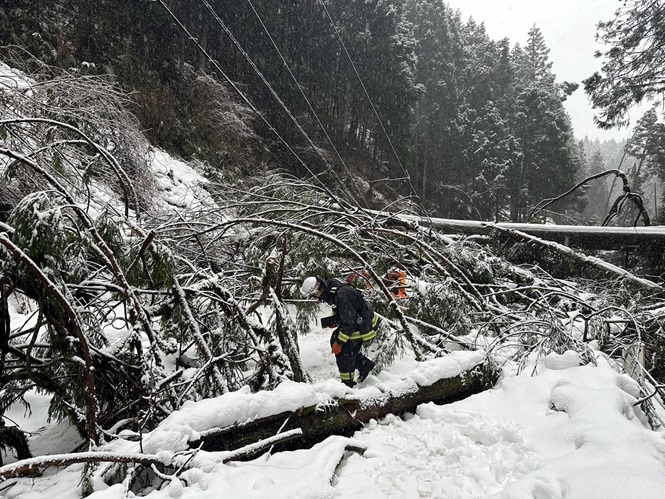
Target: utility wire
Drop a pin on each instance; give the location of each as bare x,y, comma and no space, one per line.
369,99
247,101
272,91
295,80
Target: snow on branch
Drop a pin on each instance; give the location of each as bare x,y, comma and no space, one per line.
32,465
591,260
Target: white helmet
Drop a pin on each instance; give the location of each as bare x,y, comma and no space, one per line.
309,286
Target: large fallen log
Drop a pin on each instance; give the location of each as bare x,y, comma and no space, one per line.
573,236
344,416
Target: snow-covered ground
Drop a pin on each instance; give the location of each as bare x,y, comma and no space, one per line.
555,430
563,431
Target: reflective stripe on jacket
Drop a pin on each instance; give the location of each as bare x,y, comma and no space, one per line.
357,319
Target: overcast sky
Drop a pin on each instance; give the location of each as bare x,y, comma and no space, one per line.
569,28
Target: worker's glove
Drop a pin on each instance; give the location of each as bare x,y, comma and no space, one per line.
336,348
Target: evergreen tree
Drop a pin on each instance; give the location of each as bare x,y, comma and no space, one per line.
533,66
21,24
438,134
647,146
543,128
633,64
491,151
494,153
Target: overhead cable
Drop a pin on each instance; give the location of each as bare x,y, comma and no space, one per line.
272,91
246,100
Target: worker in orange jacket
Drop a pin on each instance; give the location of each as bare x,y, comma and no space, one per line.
395,281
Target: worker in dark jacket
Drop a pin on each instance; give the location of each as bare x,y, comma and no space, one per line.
355,320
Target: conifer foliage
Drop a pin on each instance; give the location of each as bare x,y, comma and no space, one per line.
633,63
402,92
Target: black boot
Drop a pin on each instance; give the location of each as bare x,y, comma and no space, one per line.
350,383
365,370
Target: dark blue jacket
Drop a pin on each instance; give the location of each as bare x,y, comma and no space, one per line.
356,315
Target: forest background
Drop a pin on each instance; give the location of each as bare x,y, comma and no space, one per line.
401,94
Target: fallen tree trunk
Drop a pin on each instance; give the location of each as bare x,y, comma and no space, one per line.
590,260
344,416
546,236
574,236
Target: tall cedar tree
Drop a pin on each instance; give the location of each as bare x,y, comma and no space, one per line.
543,128
438,138
647,146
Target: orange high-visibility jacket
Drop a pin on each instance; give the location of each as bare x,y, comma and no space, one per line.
395,281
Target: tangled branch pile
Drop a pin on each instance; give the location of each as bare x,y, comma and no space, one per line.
132,309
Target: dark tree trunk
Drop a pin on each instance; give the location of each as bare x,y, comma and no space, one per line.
342,416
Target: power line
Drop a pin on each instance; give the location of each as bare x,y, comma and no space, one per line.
272,91
369,99
246,100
